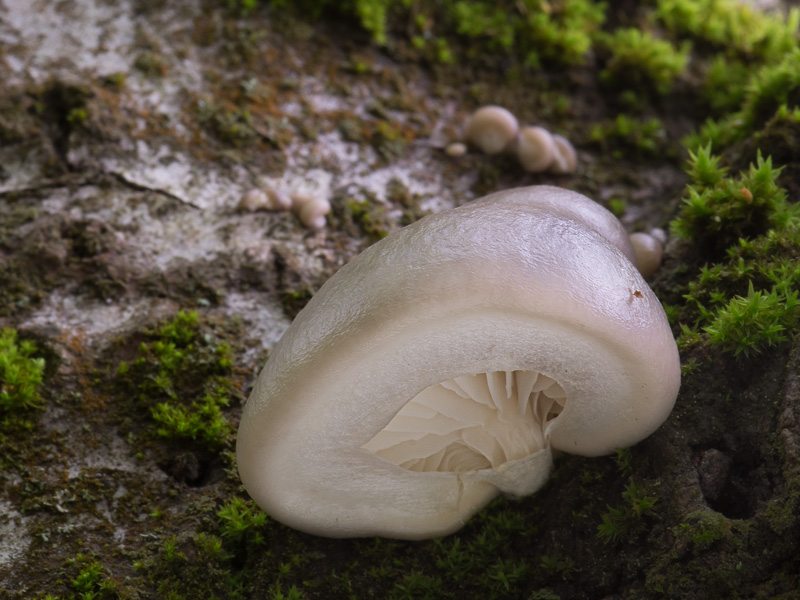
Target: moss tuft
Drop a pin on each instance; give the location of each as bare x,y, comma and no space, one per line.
20,373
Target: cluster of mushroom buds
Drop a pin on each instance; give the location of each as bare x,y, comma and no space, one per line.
311,210
493,129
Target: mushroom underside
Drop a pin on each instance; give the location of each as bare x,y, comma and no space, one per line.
472,422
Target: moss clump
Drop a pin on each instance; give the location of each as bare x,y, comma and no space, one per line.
531,31
559,33
229,124
20,373
182,380
746,301
719,210
642,62
768,91
759,320
367,216
629,518
731,25
629,137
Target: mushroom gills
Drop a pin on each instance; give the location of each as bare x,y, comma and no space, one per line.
472,422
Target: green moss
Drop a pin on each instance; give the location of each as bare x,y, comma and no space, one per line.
746,300
230,124
183,381
368,216
20,373
151,64
732,25
202,421
725,83
747,325
629,137
241,523
629,518
294,300
769,91
531,31
640,61
719,210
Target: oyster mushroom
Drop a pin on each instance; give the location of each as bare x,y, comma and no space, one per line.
444,364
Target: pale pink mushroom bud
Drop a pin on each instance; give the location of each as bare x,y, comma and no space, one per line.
311,210
535,149
253,200
455,149
648,250
565,159
277,200
660,235
491,129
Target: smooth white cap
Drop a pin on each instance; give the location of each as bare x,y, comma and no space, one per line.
535,149
491,129
504,282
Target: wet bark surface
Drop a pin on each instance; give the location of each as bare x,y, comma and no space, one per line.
129,132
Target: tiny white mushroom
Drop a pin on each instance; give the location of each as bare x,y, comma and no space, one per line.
443,365
535,149
311,210
565,158
660,235
649,251
253,200
277,200
455,149
491,129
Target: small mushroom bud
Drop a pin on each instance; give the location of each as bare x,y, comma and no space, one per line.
565,158
252,201
491,129
649,251
455,149
311,210
277,200
660,235
535,149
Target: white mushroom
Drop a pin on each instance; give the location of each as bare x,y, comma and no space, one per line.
311,210
649,251
441,366
535,149
455,149
264,199
253,200
660,235
565,159
491,129
277,200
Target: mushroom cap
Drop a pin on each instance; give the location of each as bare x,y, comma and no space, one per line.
253,200
565,159
455,149
491,129
278,200
535,149
649,251
311,210
504,283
